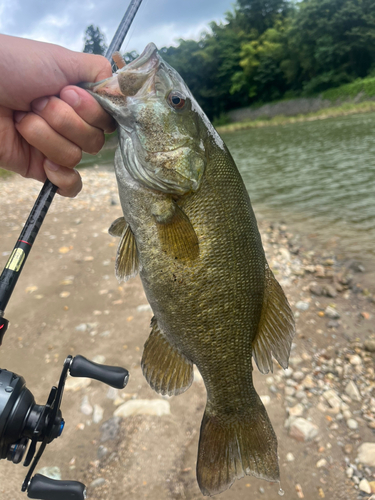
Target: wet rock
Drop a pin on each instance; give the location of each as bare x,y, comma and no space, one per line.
303,430
110,429
157,407
97,415
51,472
370,345
97,482
330,312
302,306
366,454
364,486
352,391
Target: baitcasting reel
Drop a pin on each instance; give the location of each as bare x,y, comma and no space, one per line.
23,422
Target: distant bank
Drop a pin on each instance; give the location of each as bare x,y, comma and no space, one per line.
356,97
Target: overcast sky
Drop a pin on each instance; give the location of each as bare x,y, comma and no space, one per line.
65,21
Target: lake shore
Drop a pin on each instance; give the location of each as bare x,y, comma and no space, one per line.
68,301
344,109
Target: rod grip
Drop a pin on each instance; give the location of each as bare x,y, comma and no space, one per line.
44,488
115,376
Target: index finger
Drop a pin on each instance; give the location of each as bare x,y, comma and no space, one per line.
88,108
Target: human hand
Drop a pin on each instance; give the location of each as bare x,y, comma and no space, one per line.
43,135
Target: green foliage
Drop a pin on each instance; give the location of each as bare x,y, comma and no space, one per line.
94,41
351,90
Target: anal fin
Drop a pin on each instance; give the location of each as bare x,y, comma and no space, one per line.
167,370
276,327
127,263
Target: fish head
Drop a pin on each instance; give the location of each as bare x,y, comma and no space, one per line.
161,130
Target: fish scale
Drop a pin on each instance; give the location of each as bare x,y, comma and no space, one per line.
190,232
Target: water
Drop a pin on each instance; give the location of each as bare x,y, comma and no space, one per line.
319,175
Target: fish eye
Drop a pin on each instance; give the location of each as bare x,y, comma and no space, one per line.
176,99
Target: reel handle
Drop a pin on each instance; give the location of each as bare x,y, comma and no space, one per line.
115,376
44,488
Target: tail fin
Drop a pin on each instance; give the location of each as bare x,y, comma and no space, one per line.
231,446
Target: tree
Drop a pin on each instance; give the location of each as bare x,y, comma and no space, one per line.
260,15
94,41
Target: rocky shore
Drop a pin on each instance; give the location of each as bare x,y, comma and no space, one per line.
136,444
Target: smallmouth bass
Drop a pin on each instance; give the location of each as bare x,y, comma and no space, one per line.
190,232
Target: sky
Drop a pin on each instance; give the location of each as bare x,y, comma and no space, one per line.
65,21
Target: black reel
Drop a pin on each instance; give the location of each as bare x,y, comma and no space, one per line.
24,423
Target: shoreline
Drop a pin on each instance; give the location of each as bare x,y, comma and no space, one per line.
345,109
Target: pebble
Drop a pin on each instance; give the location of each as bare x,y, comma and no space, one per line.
290,457
75,384
330,312
298,376
265,400
51,472
316,289
366,454
349,472
303,430
110,429
352,424
332,398
112,393
370,345
302,306
352,391
156,407
97,482
102,452
144,308
329,291
290,391
86,408
355,360
321,463
365,486
297,410
99,358
97,415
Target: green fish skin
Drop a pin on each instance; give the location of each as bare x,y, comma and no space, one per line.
190,232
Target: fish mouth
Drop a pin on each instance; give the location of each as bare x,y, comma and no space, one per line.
129,80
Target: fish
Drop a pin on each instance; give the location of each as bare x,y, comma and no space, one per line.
188,229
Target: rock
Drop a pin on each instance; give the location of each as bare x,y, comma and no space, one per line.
355,360
288,372
321,463
349,472
352,424
290,457
348,448
265,400
99,358
156,407
51,472
97,482
370,345
332,323
144,308
329,291
330,312
298,376
316,289
372,486
296,411
303,430
289,391
112,393
308,382
285,253
97,415
319,271
102,452
366,454
110,429
352,391
82,327
302,306
75,384
86,408
364,486
357,267
332,398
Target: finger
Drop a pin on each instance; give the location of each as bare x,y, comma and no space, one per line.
66,122
88,108
67,180
39,134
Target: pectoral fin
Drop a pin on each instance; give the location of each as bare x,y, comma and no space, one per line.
166,369
276,327
117,227
127,263
178,237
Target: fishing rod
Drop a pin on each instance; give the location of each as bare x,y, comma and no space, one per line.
23,423
21,250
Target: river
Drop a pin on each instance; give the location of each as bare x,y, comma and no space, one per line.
317,176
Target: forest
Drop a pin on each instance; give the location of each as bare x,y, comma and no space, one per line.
267,50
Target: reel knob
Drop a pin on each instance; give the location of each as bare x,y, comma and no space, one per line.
44,488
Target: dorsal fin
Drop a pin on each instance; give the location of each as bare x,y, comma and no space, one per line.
276,327
127,263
